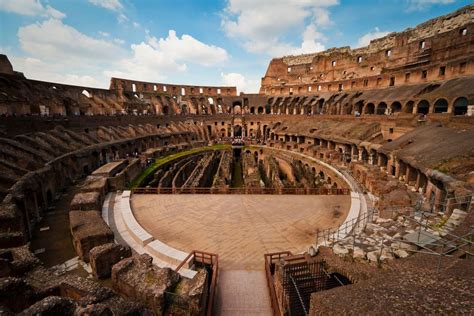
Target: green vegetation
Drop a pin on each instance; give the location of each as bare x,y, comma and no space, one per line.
165,159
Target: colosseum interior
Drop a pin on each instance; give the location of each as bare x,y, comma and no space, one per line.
343,187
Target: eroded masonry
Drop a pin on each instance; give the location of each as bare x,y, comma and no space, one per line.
344,186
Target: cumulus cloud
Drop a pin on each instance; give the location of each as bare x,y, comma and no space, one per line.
239,81
30,8
71,56
365,39
157,58
419,5
262,24
113,5
66,44
37,69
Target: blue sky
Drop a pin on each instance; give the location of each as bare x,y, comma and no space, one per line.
85,42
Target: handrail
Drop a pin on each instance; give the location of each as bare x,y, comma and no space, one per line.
269,260
211,259
247,190
345,228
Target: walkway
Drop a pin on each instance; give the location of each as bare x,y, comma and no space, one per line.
242,292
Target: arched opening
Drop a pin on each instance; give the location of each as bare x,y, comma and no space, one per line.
369,108
460,106
252,110
165,110
320,106
381,108
184,109
260,110
409,107
441,106
423,107
237,107
396,107
268,109
237,131
358,107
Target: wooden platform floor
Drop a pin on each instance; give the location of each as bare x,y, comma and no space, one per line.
239,228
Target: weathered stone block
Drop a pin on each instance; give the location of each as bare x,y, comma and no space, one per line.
139,279
191,295
87,201
52,305
88,230
103,257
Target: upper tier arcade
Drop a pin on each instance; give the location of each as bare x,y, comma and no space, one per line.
126,85
439,49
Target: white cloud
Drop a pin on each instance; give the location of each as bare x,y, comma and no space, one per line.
419,5
67,57
30,8
113,5
76,58
155,59
37,69
365,39
239,81
67,44
262,24
121,18
136,24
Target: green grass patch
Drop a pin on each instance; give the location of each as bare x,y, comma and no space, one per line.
166,159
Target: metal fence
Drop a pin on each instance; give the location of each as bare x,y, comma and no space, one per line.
331,235
247,190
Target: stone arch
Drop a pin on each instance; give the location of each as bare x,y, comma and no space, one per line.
260,110
396,107
423,107
369,108
184,109
268,109
460,106
440,106
237,107
237,131
320,106
381,108
409,107
166,110
358,107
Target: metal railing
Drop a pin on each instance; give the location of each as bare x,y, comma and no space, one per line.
248,190
331,235
205,259
270,259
